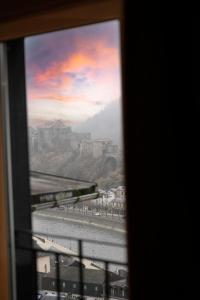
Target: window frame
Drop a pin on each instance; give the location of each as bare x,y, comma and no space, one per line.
4,215
12,35
73,14
22,261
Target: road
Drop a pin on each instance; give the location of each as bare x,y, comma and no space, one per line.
113,223
79,226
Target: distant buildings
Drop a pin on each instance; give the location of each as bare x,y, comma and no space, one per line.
120,192
119,289
114,196
55,136
109,203
58,136
98,148
93,278
43,263
93,283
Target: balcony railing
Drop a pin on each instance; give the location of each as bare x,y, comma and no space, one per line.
63,273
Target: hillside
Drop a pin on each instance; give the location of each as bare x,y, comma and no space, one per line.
105,124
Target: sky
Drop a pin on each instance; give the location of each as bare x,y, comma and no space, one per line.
73,74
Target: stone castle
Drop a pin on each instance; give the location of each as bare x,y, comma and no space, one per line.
60,138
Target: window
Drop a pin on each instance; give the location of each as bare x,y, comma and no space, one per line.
17,114
123,292
74,105
111,291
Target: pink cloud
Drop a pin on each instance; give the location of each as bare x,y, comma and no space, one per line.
88,75
97,57
77,62
51,75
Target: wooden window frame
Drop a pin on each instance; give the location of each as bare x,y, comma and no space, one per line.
4,253
73,14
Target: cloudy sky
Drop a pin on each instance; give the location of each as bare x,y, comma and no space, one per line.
73,74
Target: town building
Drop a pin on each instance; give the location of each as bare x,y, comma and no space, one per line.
120,192
119,289
93,281
55,136
86,148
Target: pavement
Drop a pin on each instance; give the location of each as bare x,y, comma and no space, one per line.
105,222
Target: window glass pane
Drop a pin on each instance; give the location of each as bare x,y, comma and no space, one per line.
78,193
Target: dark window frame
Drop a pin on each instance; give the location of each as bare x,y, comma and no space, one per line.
18,174
25,261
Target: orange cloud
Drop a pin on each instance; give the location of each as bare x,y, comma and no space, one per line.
96,61
104,55
96,57
52,73
53,96
108,57
78,61
62,98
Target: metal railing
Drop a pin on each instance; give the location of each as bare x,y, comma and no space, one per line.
113,285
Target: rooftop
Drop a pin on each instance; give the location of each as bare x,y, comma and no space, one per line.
89,275
50,190
120,283
46,184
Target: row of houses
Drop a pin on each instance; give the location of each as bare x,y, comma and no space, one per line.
112,202
115,197
117,194
94,283
94,277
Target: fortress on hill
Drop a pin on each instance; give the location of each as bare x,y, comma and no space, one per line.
57,137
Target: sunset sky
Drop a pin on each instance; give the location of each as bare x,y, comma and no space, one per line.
73,74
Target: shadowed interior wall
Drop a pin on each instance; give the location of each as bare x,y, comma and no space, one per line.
72,14
23,18
3,230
